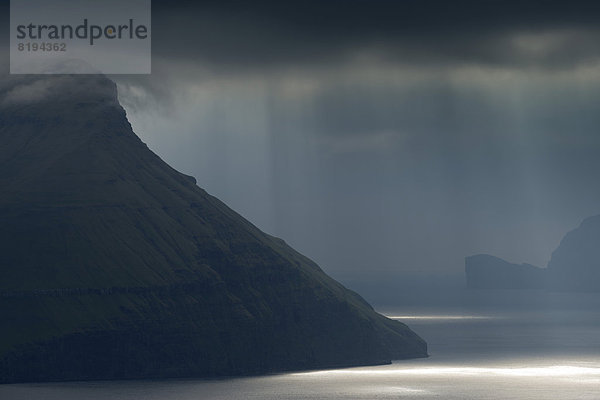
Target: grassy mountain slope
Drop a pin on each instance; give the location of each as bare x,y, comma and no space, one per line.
114,265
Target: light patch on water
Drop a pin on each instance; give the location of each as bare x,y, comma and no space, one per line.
558,371
392,390
441,317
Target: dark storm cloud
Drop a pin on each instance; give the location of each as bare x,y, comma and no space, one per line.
239,34
548,34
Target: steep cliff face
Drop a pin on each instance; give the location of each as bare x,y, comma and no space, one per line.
484,271
575,264
114,265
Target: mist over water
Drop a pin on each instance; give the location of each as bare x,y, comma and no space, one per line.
492,345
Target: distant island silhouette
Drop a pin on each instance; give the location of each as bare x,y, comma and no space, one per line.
574,265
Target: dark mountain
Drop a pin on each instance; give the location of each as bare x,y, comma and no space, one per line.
575,264
114,265
484,271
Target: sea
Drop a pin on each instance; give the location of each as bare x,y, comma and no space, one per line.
488,345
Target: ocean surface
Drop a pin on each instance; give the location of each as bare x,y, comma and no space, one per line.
503,345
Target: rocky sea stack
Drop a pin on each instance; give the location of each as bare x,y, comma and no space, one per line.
113,265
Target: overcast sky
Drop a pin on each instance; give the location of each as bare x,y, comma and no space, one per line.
383,139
